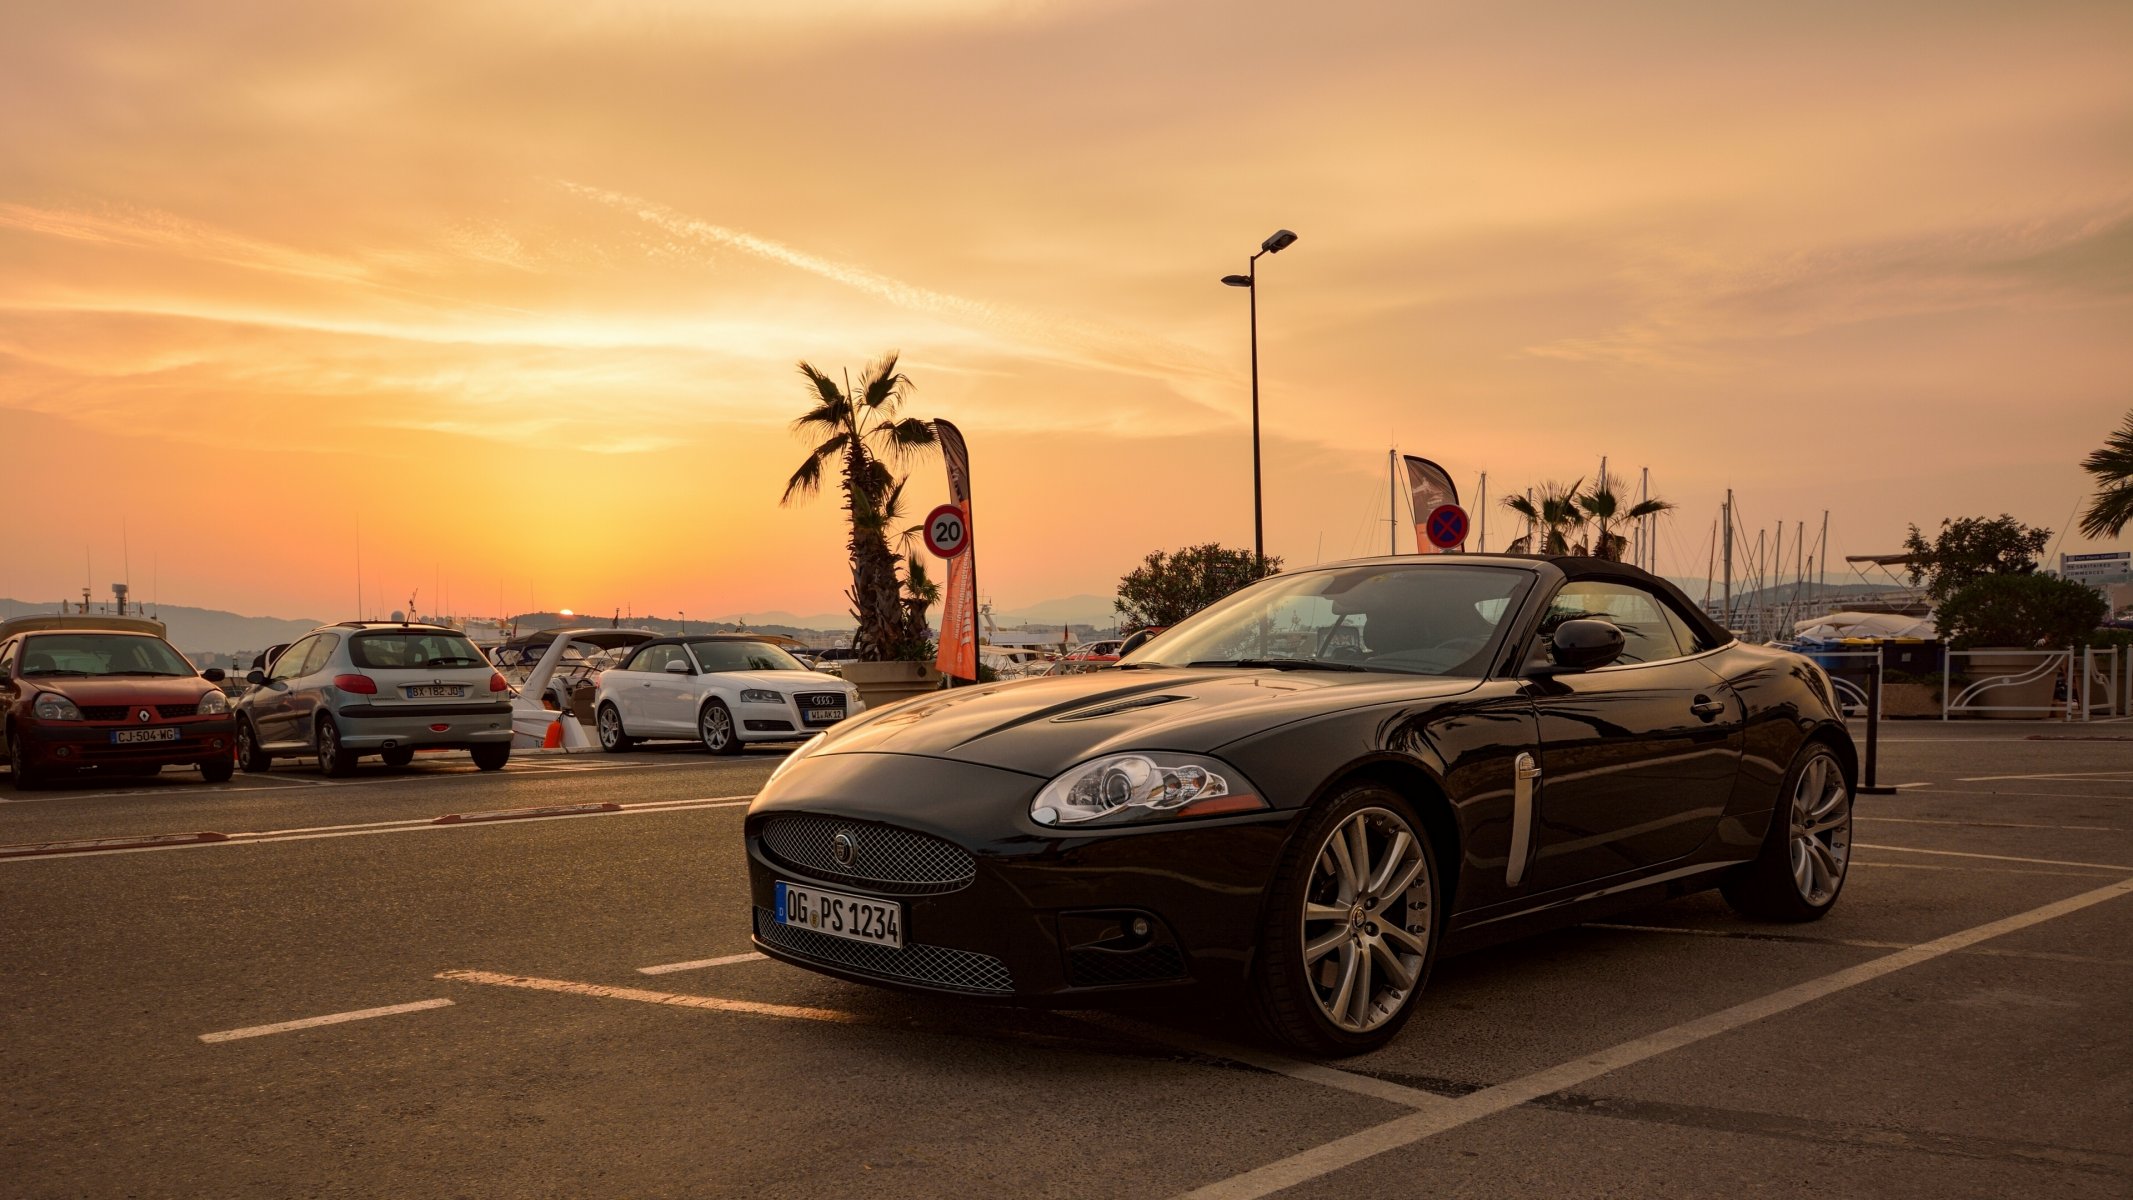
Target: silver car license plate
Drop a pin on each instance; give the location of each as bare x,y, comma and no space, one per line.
855,918
437,691
127,737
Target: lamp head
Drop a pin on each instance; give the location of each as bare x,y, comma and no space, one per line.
1237,280
1277,243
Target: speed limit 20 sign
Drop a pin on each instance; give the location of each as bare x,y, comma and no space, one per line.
947,532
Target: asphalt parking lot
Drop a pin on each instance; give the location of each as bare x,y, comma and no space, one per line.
566,1005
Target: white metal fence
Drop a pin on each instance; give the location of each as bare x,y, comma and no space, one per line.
2075,684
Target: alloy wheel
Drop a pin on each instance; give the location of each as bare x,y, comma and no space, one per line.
1821,830
1366,920
610,727
716,726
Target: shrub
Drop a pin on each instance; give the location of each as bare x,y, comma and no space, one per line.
2023,611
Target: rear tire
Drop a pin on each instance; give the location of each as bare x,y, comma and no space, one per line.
1805,858
715,728
217,770
399,756
492,758
25,777
334,759
1334,976
613,738
249,755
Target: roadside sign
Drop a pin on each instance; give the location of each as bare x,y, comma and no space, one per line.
1446,526
947,531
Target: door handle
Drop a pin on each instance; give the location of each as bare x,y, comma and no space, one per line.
1707,708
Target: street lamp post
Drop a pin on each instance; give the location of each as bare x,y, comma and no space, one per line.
1280,240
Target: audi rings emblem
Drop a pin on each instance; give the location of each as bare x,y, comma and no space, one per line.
844,849
145,716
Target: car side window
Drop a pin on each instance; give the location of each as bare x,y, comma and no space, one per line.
289,665
7,660
1647,632
321,650
654,658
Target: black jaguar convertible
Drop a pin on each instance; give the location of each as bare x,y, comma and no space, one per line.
1303,794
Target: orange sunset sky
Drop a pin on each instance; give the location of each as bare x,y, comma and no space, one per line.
518,285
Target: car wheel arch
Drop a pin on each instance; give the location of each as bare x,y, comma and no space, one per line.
1420,788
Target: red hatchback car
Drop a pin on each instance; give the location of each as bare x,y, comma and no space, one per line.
107,693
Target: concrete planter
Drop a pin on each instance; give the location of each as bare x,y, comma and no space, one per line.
2033,694
882,683
1910,699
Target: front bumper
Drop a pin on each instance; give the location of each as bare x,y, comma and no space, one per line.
423,726
80,744
1006,909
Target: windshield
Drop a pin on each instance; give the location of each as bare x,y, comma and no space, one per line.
55,655
742,656
414,650
1418,620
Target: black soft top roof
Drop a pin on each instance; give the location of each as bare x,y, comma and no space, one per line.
1568,566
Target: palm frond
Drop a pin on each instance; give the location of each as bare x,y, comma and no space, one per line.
804,482
882,387
2110,511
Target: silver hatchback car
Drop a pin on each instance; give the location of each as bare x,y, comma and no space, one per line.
374,687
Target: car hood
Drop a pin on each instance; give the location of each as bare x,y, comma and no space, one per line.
123,689
787,682
1043,726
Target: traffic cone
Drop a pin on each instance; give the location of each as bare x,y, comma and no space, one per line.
555,736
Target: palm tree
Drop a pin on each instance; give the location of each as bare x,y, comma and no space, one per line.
2111,508
865,437
1602,506
1552,519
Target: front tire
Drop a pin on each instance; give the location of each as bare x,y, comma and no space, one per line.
608,723
334,759
249,755
492,758
1352,925
714,726
1802,866
26,778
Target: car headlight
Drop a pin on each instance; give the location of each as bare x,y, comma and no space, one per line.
755,696
1121,789
51,706
214,704
806,748
853,705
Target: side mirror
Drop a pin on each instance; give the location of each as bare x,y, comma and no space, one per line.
1584,645
214,675
255,677
677,667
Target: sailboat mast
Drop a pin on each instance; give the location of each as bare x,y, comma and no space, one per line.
1728,593
1392,500
1481,511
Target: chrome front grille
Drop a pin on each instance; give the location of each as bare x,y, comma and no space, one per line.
882,858
931,966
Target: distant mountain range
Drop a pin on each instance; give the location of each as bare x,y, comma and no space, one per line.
198,631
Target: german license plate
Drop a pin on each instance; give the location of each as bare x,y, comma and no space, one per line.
824,716
436,691
127,737
856,918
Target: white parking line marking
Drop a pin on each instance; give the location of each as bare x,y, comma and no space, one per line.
1994,824
1403,1131
2042,862
417,825
714,1003
361,1014
2081,776
1966,868
2087,960
699,964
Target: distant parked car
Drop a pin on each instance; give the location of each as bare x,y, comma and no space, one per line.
106,693
722,690
373,687
1090,656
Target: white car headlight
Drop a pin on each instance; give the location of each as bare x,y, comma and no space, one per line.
853,705
214,704
1120,789
51,706
757,696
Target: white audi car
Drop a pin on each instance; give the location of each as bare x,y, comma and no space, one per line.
722,690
